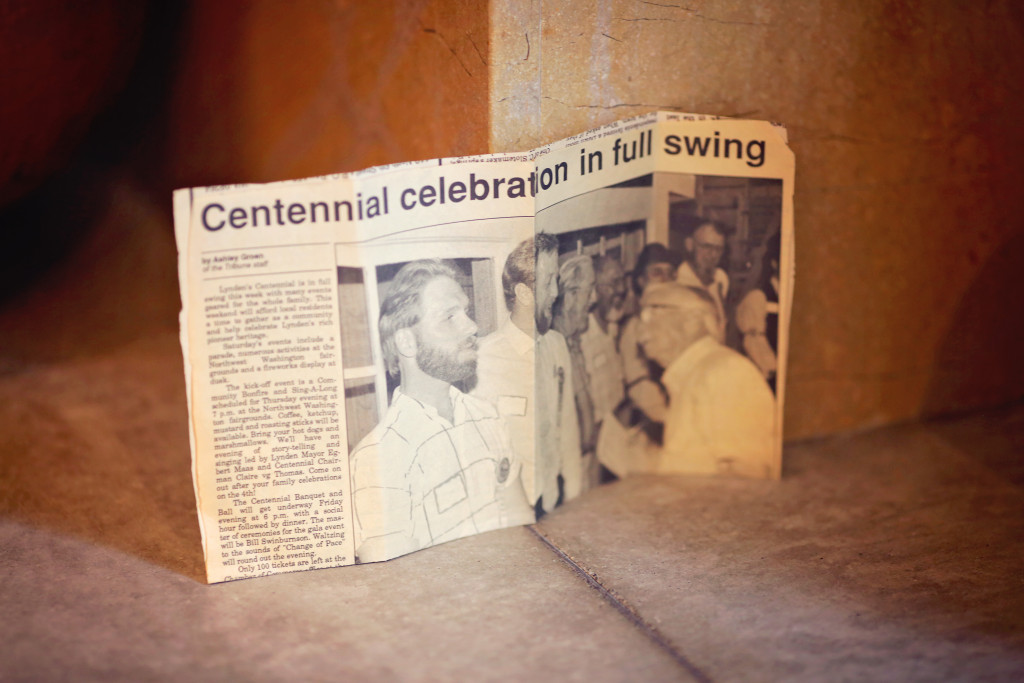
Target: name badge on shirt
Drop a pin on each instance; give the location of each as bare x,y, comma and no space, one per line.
502,470
512,405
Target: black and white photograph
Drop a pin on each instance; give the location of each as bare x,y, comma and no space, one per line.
432,459
669,302
407,356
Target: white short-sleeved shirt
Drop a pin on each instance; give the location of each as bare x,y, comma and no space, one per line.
530,384
721,415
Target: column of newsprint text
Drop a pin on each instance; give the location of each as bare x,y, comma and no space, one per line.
273,471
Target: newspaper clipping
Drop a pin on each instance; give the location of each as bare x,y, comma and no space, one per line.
382,361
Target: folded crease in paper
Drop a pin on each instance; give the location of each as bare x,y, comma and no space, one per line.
382,361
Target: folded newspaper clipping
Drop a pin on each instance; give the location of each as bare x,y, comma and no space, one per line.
381,361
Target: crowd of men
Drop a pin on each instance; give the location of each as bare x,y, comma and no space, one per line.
656,363
582,354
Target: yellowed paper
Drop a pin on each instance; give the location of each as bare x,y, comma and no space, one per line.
384,361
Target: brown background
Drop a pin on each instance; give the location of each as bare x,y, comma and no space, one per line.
904,117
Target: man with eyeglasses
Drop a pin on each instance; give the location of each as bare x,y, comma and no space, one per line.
700,269
721,413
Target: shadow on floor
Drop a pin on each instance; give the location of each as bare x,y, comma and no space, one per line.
93,421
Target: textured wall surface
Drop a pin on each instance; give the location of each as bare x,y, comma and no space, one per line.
904,117
61,62
269,90
239,92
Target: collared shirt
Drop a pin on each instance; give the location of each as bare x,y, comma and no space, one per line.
418,478
558,427
604,366
718,289
531,387
721,415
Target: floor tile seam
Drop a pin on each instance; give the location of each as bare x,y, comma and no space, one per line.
624,608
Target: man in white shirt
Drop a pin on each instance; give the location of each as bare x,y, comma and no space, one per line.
700,269
721,414
575,293
525,370
439,465
600,341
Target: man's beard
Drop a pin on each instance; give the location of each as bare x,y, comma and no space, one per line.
445,364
